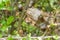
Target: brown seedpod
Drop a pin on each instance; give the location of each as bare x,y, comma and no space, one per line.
20,32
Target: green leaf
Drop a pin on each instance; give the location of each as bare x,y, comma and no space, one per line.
9,38
4,27
3,4
52,2
10,20
10,8
0,35
52,25
24,24
31,28
28,36
23,38
3,22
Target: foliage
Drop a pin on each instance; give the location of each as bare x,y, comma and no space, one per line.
28,37
10,38
47,5
10,20
28,28
5,4
8,24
